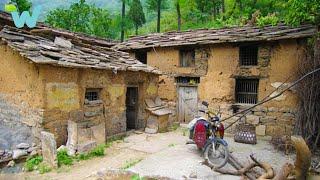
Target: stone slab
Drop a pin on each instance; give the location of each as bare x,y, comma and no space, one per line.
99,133
86,147
49,149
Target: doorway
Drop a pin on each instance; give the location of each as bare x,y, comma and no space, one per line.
188,103
132,107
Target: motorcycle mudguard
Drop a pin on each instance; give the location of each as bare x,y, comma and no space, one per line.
200,134
215,140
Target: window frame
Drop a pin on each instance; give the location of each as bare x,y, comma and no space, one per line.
181,58
244,56
92,90
252,89
139,54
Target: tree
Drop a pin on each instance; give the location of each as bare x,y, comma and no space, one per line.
177,5
123,18
22,5
136,14
157,6
81,17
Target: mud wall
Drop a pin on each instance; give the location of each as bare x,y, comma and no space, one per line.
65,93
277,61
21,100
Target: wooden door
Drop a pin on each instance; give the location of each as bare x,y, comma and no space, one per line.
188,103
132,107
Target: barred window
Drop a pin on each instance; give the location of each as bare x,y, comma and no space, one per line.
248,55
187,58
247,91
92,94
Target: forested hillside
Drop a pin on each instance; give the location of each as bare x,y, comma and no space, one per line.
104,17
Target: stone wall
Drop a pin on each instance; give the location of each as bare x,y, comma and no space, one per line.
277,61
20,100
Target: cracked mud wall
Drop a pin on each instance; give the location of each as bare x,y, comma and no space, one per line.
21,100
276,62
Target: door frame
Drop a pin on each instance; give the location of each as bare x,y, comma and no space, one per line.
178,96
137,105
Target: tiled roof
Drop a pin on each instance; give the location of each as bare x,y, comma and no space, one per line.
44,50
215,36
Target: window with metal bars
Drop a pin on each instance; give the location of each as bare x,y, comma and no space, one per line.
247,91
248,55
92,94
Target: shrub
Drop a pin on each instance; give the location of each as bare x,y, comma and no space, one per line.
64,158
32,163
97,151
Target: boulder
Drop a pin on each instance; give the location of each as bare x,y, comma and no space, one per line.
151,131
11,164
252,119
86,147
23,146
2,152
49,149
17,153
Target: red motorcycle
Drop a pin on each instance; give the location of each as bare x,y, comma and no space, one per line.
208,134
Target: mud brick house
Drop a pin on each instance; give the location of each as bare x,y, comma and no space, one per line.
48,75
231,67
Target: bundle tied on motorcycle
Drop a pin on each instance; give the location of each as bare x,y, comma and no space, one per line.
158,116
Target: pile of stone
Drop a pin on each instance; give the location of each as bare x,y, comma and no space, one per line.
21,150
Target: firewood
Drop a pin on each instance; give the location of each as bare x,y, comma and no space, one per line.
303,158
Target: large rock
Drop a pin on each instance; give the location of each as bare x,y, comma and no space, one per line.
86,147
252,119
72,137
99,133
17,153
23,146
49,149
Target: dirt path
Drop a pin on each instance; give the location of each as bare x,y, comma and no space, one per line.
164,154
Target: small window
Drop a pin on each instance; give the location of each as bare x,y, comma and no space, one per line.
92,94
188,80
248,55
187,58
247,91
141,56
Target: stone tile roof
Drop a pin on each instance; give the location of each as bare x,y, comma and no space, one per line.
61,52
51,33
215,36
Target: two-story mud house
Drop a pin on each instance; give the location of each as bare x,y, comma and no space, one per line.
230,67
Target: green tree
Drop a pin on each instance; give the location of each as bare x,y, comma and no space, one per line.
157,6
178,9
81,17
136,14
299,11
22,5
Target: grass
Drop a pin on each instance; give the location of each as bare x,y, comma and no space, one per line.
136,177
171,145
64,158
131,163
174,127
43,168
32,163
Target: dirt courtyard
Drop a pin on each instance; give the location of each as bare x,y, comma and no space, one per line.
161,155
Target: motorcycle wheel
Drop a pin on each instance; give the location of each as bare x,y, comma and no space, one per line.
217,158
